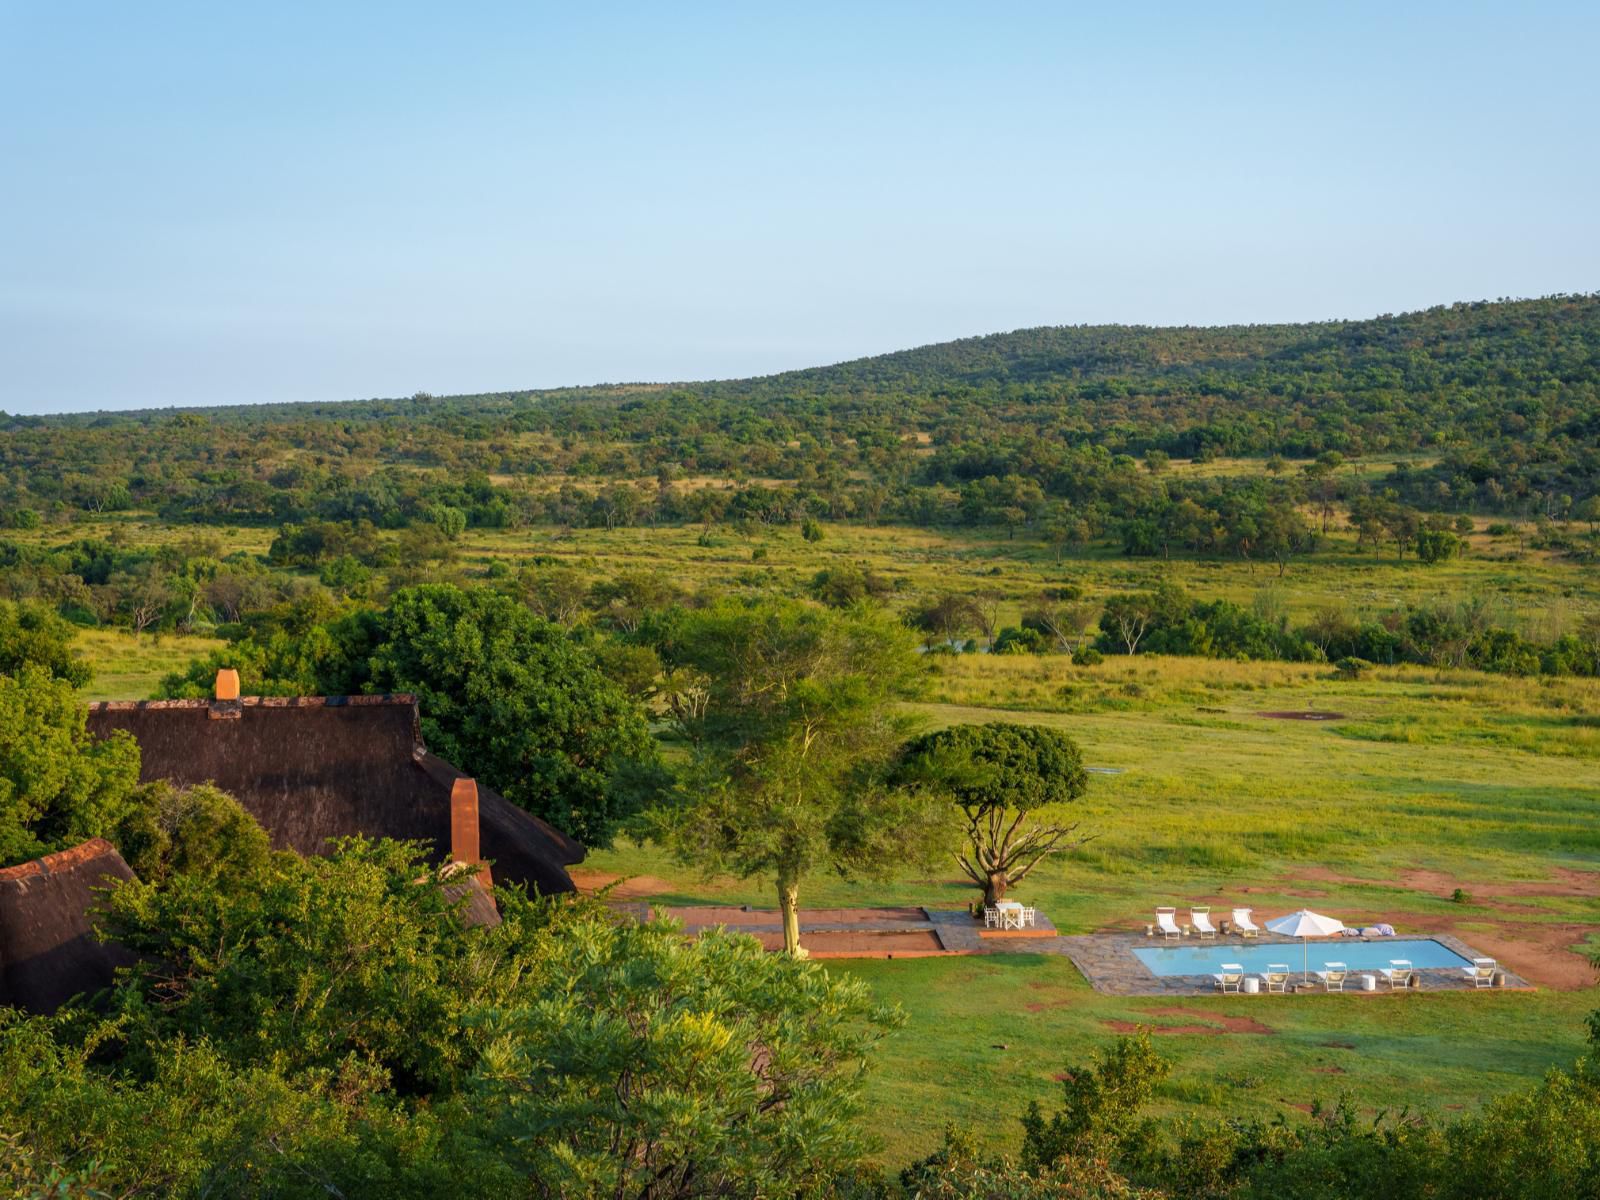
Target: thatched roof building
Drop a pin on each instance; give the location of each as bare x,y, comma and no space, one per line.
313,768
48,952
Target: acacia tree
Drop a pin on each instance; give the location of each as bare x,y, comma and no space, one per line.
791,739
998,775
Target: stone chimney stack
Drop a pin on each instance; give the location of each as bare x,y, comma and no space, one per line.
464,824
227,684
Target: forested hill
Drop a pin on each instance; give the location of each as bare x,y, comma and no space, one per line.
1500,400
1556,339
1501,349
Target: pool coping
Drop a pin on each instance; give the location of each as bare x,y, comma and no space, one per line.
1107,962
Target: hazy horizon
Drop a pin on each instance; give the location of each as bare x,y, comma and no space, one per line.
297,205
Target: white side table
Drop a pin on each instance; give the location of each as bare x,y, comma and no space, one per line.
1251,984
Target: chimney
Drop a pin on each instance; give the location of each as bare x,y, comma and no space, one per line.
227,684
464,821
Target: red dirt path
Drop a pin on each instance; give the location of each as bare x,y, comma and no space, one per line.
757,918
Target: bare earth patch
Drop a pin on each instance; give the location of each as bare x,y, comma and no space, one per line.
757,918
1218,1023
632,887
916,943
1309,715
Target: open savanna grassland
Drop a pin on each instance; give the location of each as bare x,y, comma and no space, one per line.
1529,588
1433,781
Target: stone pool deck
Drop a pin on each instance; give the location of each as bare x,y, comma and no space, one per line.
1107,961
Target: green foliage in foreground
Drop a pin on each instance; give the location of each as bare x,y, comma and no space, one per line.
330,1026
58,784
1542,1142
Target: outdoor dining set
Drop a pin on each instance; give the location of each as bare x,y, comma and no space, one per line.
1007,914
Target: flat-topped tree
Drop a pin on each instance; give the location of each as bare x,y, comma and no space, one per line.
998,775
792,734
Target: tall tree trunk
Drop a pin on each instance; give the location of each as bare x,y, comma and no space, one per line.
789,903
995,890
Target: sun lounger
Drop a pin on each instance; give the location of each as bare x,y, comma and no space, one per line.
1229,978
1398,973
1166,926
1333,976
1481,972
1276,977
1243,925
1200,918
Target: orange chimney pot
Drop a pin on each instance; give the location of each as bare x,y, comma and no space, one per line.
227,684
464,821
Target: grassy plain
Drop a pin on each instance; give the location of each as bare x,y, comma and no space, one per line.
1434,783
1434,780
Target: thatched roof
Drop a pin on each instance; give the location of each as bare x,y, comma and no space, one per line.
312,768
48,953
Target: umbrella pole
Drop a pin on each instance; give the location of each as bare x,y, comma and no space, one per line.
1305,960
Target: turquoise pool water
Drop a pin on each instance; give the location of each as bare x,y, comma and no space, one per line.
1206,958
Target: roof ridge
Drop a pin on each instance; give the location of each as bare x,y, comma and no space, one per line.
61,860
358,701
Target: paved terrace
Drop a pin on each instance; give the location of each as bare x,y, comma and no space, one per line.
875,932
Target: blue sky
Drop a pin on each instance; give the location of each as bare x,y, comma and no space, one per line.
220,203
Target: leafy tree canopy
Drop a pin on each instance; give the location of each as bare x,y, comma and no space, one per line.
30,633
58,783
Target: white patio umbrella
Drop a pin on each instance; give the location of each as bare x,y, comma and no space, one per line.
1305,924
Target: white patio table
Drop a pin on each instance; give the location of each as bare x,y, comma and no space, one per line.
1010,914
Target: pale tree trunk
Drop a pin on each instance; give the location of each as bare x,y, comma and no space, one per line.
789,903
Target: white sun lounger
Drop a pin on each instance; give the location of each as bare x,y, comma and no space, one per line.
1243,925
1200,918
1398,973
1481,972
1276,977
1229,978
1166,926
1333,976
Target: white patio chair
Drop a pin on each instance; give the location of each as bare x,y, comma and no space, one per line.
1276,977
1397,974
1229,978
1166,923
1333,975
991,917
1243,925
1200,918
1028,916
1481,972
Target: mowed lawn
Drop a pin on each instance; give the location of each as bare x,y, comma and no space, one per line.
1378,817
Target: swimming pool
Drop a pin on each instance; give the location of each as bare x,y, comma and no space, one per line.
1206,958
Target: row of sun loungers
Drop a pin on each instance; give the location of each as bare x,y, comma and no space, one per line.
1200,923
1333,976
